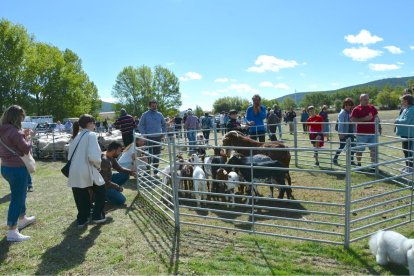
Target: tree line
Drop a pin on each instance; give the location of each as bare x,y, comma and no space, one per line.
385,97
41,78
45,80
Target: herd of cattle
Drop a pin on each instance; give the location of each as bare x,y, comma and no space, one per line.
226,171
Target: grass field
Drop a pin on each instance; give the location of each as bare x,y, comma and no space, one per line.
138,239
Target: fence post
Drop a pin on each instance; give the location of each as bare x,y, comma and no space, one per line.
330,145
215,134
348,194
53,146
135,161
377,134
252,189
295,140
175,185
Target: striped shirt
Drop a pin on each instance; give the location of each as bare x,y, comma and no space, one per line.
125,123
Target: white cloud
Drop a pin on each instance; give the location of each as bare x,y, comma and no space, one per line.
270,63
383,67
361,53
191,76
364,37
242,88
222,80
393,49
412,47
276,85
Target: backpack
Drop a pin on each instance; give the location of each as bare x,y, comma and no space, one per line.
206,123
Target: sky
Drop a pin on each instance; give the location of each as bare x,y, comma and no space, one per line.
229,47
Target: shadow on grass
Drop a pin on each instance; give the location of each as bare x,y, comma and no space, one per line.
5,199
393,268
70,252
158,231
4,249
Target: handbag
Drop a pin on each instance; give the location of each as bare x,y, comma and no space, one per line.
66,168
27,159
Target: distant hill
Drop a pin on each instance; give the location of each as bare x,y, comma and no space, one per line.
107,107
378,83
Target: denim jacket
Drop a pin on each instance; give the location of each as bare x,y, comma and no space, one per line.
406,118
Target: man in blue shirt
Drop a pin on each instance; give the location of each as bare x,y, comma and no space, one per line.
255,115
153,127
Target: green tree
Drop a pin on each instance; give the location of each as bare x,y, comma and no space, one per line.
388,99
198,111
270,103
135,87
288,103
338,105
228,103
166,87
14,42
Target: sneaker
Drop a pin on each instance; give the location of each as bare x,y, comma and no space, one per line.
316,163
81,226
99,221
26,221
30,189
15,236
335,162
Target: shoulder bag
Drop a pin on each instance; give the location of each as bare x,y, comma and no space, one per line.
27,159
66,168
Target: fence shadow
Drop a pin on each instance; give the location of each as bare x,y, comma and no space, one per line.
70,252
5,199
158,231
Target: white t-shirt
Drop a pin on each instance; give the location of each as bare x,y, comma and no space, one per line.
126,158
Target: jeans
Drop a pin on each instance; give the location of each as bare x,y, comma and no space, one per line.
83,203
206,134
18,179
191,135
342,143
279,127
114,196
30,182
407,149
258,135
154,148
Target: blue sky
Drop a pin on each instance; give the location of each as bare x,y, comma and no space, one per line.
228,47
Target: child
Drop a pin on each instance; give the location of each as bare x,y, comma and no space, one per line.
315,131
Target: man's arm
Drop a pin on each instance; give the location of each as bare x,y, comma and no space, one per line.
119,168
141,125
105,172
163,124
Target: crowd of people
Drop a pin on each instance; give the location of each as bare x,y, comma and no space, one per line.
91,176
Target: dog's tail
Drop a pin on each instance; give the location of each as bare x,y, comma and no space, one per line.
374,242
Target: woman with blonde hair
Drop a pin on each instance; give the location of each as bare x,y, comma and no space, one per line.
15,143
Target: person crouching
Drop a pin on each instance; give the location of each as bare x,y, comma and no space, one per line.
114,182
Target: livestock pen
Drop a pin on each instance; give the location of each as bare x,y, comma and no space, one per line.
332,204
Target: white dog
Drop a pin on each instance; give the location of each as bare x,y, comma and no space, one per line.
390,246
